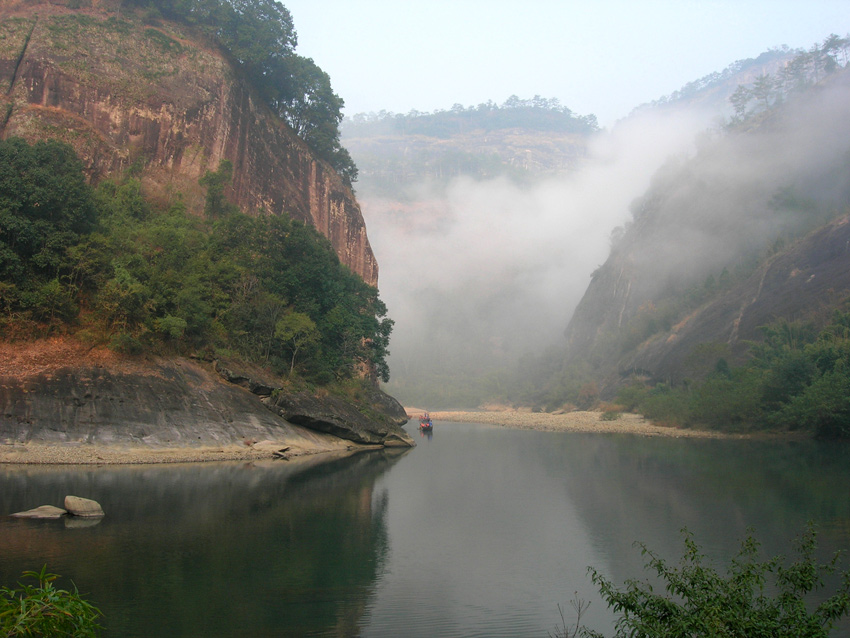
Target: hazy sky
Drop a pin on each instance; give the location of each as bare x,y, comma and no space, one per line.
597,56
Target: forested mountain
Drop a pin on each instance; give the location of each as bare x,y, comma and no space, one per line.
742,243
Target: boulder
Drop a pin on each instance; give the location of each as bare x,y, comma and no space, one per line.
43,512
337,416
83,507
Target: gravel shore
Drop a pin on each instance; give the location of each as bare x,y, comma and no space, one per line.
571,422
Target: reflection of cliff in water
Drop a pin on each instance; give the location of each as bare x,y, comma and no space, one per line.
635,489
270,548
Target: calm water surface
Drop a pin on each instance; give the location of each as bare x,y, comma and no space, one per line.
478,531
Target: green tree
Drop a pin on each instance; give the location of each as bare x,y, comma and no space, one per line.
215,204
740,99
46,206
296,330
822,407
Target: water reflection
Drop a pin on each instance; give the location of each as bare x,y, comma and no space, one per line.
480,531
230,549
648,490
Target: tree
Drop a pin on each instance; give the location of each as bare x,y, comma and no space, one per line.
823,407
215,204
296,330
764,90
739,99
45,207
698,601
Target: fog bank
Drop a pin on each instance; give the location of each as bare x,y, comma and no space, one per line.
478,273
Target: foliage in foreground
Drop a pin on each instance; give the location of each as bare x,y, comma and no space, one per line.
44,610
756,597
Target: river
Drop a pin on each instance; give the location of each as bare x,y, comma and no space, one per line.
478,531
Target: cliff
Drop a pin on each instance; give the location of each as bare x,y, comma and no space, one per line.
802,282
60,391
156,99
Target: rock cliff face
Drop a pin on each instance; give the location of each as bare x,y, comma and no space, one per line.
155,99
799,283
61,392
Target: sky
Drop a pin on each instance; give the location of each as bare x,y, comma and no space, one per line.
600,57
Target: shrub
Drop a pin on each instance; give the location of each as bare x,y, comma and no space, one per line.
698,601
44,610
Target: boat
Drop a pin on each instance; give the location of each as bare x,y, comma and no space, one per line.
425,423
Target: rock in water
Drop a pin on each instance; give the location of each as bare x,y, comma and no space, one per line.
84,507
45,511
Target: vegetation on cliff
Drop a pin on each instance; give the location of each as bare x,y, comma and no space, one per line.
804,70
107,265
260,37
797,378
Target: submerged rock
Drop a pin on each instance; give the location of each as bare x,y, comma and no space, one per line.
78,522
83,507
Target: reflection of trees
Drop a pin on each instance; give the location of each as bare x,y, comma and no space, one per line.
629,489
225,550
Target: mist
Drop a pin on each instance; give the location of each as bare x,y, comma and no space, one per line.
479,273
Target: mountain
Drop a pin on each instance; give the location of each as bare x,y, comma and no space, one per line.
175,261
723,230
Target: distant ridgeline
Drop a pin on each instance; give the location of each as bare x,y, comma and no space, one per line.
518,138
260,38
753,84
536,114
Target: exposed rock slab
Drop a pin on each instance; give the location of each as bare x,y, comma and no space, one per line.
114,401
42,512
336,416
109,400
375,420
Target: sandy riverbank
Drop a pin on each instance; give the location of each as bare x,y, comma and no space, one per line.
570,422
85,454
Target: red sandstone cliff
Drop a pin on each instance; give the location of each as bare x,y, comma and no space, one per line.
125,93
